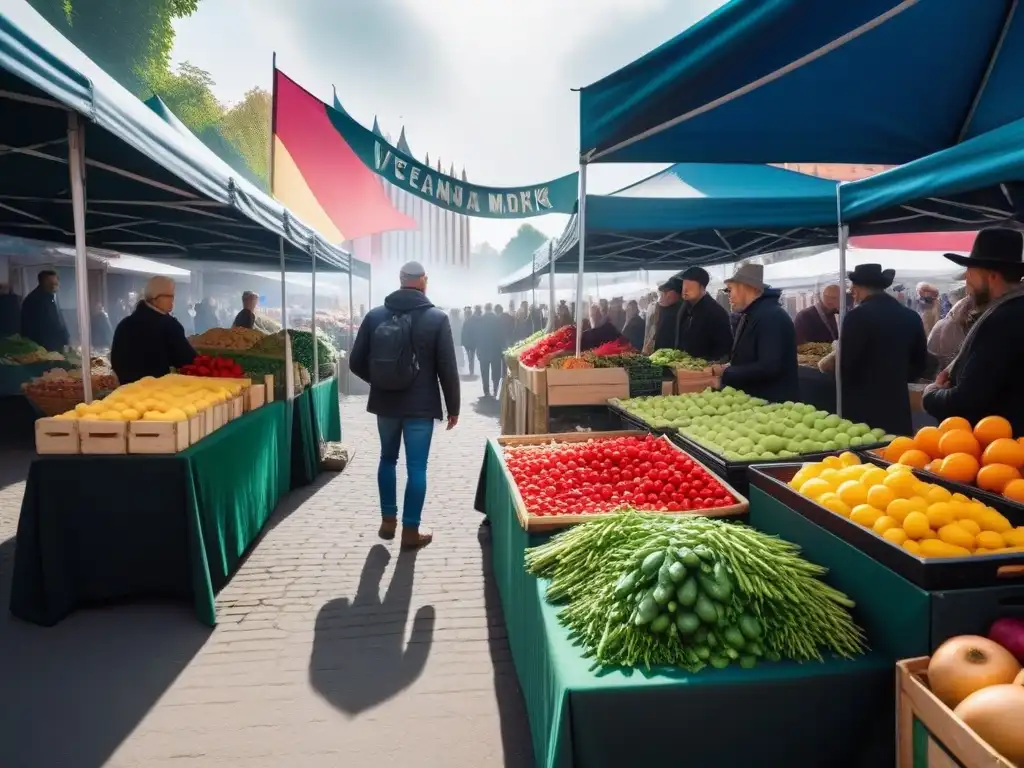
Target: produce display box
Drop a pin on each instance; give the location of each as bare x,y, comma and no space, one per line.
537,524
927,573
687,381
900,619
586,386
929,734
57,436
629,421
1010,508
534,379
736,472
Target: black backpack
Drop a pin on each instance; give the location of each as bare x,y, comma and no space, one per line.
393,363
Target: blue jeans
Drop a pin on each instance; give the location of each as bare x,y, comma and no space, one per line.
416,434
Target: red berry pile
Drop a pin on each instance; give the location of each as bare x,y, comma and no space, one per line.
604,474
540,352
215,367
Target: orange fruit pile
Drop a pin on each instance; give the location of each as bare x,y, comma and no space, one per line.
923,518
984,454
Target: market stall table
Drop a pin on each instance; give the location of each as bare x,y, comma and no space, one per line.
316,418
781,714
96,529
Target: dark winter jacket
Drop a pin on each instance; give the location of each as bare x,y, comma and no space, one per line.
634,331
435,353
704,329
245,318
489,336
763,362
148,343
811,328
986,377
470,331
882,348
42,321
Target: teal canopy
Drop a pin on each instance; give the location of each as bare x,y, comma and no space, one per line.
978,183
691,214
149,189
824,81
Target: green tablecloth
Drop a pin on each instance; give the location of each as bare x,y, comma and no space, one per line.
102,528
775,715
317,418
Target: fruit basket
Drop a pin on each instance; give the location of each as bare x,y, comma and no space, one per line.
534,522
933,573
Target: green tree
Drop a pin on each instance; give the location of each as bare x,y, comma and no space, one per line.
520,248
130,39
247,126
188,93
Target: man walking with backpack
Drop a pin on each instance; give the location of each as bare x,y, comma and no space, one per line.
403,350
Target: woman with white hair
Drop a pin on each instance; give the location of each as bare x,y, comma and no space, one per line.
150,341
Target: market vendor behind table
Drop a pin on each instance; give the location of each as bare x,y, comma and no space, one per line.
150,341
882,348
763,360
985,377
41,319
246,317
702,327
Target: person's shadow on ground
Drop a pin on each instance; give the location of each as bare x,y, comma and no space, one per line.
360,657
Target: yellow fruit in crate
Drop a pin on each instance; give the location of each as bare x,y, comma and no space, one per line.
833,503
154,416
873,476
66,415
849,458
901,483
990,540
815,487
939,514
176,414
884,523
852,493
865,514
898,469
896,535
937,493
955,534
918,503
1015,537
880,496
812,469
190,410
960,497
990,520
110,416
833,462
130,414
916,525
971,526
912,547
939,548
798,480
899,509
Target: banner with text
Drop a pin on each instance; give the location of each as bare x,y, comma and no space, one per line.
556,196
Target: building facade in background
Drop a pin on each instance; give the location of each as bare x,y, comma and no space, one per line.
441,242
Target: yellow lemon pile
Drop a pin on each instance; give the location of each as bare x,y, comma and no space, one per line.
923,518
169,398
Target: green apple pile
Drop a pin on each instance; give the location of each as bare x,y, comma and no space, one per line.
738,427
675,358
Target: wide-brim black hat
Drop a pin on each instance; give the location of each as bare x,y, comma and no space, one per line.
993,248
872,276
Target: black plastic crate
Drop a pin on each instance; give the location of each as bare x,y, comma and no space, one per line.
927,573
629,421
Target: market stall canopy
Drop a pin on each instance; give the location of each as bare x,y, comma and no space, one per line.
976,184
149,191
693,213
762,81
815,272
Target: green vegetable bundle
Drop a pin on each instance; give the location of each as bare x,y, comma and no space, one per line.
18,345
302,350
675,358
519,346
658,590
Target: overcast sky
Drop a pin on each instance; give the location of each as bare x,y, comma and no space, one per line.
483,83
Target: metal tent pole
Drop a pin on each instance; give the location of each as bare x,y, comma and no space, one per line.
844,234
76,165
312,322
581,242
348,368
289,374
551,285
533,296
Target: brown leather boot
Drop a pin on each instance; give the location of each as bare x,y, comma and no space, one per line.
388,526
415,537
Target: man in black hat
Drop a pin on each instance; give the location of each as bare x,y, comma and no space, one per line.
984,379
661,329
703,325
882,348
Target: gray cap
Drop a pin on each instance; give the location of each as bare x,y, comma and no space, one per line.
748,274
412,270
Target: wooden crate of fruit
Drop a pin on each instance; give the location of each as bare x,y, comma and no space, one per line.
57,436
538,523
534,379
586,386
929,735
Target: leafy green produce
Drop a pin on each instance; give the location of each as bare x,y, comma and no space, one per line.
676,358
519,346
302,350
745,595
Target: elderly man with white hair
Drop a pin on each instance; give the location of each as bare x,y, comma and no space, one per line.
150,341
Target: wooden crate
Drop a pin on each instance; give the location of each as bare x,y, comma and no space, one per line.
668,388
103,437
586,386
951,744
512,363
687,385
534,379
534,524
268,387
158,436
236,407
57,436
196,428
255,397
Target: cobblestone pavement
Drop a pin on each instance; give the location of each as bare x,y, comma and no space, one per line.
332,650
